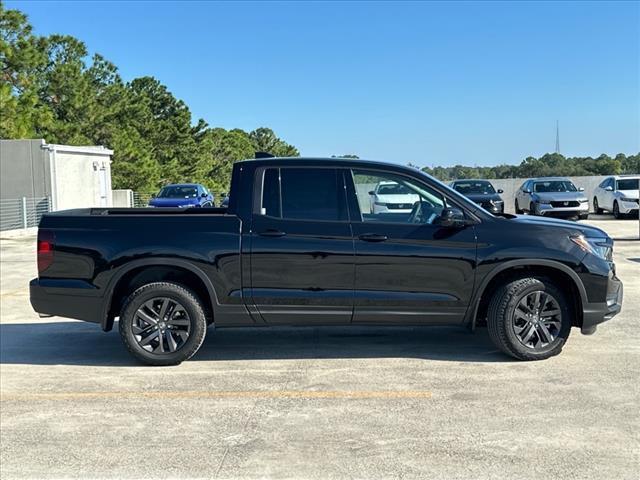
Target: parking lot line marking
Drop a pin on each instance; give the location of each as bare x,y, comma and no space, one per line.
14,292
258,394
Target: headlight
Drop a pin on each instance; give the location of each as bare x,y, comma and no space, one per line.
583,200
600,247
625,199
543,202
380,204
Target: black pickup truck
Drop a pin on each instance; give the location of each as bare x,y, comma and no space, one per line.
301,243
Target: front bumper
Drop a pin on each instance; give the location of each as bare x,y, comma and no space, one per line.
66,298
596,313
495,207
628,207
550,210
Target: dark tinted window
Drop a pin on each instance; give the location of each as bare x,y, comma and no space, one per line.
474,188
312,194
304,194
271,193
628,184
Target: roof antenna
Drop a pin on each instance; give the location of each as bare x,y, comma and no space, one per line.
263,155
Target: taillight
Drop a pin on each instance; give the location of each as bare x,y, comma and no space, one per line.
46,240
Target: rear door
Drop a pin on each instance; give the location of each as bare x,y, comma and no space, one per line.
408,269
302,253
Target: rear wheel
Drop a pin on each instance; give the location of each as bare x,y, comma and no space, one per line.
529,319
596,206
162,324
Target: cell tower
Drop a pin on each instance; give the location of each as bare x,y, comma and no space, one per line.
557,136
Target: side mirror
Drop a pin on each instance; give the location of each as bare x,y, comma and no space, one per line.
500,190
581,189
371,192
204,195
451,217
609,188
526,191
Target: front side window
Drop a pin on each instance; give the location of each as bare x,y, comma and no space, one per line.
386,197
304,194
555,186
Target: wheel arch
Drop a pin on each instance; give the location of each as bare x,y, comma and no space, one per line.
143,271
572,285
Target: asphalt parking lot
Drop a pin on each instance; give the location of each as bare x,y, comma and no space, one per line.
317,403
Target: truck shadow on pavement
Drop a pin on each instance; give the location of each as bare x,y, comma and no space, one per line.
79,343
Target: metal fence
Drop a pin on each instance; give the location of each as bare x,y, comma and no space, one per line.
25,212
141,199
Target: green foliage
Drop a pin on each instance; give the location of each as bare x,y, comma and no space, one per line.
550,164
49,90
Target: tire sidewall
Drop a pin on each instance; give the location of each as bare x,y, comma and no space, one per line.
565,328
174,292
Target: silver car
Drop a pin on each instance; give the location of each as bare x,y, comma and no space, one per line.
552,196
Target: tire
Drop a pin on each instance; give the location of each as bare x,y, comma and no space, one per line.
518,210
616,210
183,328
504,322
583,216
596,206
532,209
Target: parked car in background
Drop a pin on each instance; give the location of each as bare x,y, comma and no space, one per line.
480,192
392,197
553,197
183,195
618,195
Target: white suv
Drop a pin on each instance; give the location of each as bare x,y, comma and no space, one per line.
617,194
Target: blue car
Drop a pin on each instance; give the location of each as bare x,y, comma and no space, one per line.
183,195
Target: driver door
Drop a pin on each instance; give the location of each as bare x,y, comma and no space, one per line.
408,269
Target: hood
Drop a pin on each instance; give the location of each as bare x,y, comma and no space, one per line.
629,194
401,198
559,196
586,230
484,197
172,202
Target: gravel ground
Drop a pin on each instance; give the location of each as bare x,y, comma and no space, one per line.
317,403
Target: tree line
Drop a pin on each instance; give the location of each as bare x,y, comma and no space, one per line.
48,89
548,165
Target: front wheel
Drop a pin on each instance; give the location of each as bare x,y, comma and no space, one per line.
616,210
532,209
529,319
162,324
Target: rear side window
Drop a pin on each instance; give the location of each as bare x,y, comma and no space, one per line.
304,194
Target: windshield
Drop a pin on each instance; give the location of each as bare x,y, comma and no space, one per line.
554,186
393,189
477,188
627,184
176,191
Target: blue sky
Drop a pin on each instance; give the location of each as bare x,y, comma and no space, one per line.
428,83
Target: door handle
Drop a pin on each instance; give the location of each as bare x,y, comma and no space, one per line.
272,233
373,237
